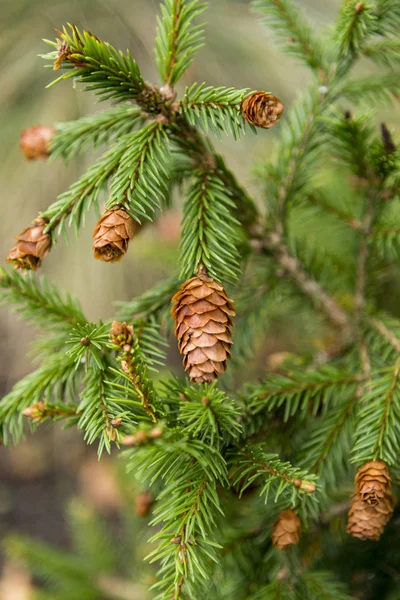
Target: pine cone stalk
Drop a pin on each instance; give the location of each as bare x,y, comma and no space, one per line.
286,530
262,109
112,234
203,327
31,247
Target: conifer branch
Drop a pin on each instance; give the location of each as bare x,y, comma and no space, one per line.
109,73
178,39
140,180
73,137
252,463
209,230
310,288
36,299
298,39
385,332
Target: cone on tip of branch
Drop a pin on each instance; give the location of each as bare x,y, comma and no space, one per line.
262,109
286,530
203,326
35,141
112,234
367,521
31,247
373,482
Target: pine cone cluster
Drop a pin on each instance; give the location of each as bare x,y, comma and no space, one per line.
112,234
31,247
203,326
286,530
372,505
35,141
262,109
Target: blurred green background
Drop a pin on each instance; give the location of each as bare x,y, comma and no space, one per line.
38,478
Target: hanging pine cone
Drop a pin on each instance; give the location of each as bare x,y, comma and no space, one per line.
31,247
367,521
203,327
286,530
112,234
262,109
35,141
373,482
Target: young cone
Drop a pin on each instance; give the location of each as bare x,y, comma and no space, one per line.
31,247
112,234
203,326
35,141
367,521
262,109
286,530
373,482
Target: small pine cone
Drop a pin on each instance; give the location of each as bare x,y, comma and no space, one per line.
35,141
286,530
262,109
366,521
121,334
112,234
373,482
31,247
203,327
143,504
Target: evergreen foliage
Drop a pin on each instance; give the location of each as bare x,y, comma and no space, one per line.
223,459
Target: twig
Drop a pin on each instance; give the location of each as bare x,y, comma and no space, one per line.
274,244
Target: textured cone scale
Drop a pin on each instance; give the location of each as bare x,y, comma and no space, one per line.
35,141
262,109
112,234
367,521
286,530
203,325
373,482
31,247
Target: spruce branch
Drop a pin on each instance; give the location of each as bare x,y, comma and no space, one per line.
72,204
377,433
134,367
384,52
153,302
274,244
111,74
74,137
38,300
178,38
299,391
210,232
140,180
214,109
355,25
252,464
298,38
374,89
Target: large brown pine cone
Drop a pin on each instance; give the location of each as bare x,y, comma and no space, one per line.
286,530
35,141
373,481
203,327
262,109
31,247
367,521
112,234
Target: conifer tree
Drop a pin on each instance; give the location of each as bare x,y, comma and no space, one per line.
249,483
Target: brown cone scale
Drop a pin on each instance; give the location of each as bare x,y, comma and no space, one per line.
203,326
35,141
367,521
286,530
262,109
373,482
112,234
31,247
